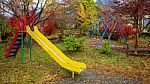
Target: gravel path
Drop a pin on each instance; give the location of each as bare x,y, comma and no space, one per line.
92,78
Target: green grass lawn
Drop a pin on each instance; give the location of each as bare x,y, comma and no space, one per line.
43,68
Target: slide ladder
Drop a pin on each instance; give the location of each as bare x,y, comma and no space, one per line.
15,44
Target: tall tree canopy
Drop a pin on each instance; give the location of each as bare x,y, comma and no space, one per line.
30,12
86,13
134,10
25,8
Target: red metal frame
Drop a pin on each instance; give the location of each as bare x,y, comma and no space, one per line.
23,30
12,44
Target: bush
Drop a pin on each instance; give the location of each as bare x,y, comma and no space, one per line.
71,43
146,38
107,50
5,30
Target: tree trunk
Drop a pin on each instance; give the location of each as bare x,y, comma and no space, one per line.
62,34
136,36
136,40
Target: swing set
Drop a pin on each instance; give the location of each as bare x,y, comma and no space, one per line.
106,26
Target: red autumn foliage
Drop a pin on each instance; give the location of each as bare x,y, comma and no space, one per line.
13,22
50,25
30,18
128,31
26,19
124,30
133,10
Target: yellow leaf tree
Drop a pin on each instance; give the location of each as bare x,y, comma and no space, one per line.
86,14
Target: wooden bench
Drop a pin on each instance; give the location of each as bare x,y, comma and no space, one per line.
139,51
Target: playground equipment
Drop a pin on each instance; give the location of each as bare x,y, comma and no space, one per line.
106,25
31,13
16,44
50,48
116,28
18,40
95,29
54,52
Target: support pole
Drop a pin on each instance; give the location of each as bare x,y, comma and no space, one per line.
22,48
30,48
72,74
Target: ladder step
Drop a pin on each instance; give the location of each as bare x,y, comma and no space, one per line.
17,43
14,49
20,34
12,54
19,38
16,46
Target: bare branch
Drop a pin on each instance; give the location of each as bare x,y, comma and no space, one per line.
37,17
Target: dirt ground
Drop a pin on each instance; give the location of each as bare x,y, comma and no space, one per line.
109,74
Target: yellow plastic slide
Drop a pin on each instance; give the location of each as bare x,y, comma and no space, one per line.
54,52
